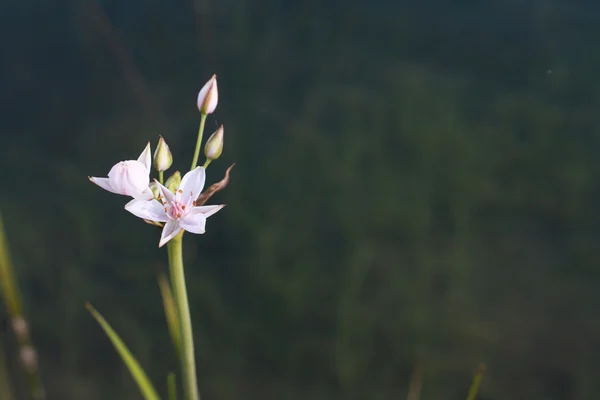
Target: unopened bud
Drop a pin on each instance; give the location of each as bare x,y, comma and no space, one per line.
162,156
173,182
214,144
208,96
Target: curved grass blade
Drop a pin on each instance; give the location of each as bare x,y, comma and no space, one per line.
476,382
134,367
170,312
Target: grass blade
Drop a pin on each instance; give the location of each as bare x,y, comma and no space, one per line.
476,382
12,299
134,367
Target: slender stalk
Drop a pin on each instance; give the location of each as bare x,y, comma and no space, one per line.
199,141
188,364
9,292
476,382
160,177
172,386
208,160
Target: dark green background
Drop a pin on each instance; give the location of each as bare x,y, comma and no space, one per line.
417,184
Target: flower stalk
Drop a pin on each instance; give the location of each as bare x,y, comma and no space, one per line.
198,141
188,363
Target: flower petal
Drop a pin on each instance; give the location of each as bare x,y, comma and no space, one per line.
147,209
147,194
207,211
171,229
195,223
129,178
192,184
146,157
104,183
166,195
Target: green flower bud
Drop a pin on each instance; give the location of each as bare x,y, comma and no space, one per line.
173,182
162,156
214,144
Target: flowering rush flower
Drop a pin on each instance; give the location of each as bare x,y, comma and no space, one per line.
129,178
178,210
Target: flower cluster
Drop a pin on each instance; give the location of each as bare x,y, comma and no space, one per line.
174,205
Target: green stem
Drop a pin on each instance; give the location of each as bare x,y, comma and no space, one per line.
160,177
9,292
476,382
208,160
188,364
171,386
199,141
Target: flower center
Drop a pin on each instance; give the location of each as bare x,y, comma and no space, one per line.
175,210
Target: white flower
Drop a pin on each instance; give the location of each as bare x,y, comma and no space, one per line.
178,210
130,178
208,98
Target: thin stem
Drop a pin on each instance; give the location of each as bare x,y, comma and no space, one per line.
199,141
161,176
476,382
9,293
172,386
207,162
188,364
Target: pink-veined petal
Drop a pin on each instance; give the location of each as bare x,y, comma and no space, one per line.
192,184
104,183
194,223
146,157
171,229
147,209
207,211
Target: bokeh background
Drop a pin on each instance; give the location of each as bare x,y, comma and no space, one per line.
416,191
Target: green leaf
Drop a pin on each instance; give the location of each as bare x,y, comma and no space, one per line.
134,367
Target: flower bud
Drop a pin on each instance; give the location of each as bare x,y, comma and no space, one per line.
173,182
162,156
208,96
214,145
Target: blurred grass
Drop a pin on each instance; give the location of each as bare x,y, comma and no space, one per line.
12,300
474,389
132,364
6,391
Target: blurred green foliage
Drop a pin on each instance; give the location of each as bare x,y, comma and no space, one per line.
415,185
